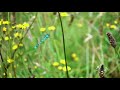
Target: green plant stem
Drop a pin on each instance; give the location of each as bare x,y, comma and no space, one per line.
117,54
5,69
64,45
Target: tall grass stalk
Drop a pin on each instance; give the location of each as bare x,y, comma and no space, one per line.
63,44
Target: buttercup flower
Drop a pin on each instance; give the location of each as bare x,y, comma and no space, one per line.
35,67
68,67
6,38
42,29
64,14
6,22
76,59
0,23
16,34
62,61
107,24
26,24
4,29
15,47
52,28
19,26
10,60
55,64
13,27
60,67
74,55
113,27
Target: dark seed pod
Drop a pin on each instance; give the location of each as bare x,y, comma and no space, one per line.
71,20
101,71
111,40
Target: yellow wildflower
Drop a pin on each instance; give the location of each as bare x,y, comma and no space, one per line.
6,22
6,38
15,47
52,28
107,24
0,66
113,27
10,60
60,67
76,59
20,26
55,64
23,27
0,23
26,24
116,22
64,68
74,55
42,29
63,14
4,29
13,27
16,34
20,35
35,67
62,61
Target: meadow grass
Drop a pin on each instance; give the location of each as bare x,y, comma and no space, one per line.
86,43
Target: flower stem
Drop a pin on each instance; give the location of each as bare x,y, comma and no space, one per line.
64,45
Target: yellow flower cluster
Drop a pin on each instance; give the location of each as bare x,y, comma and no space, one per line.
60,67
18,35
74,56
112,26
50,28
4,22
64,14
4,29
23,26
10,60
